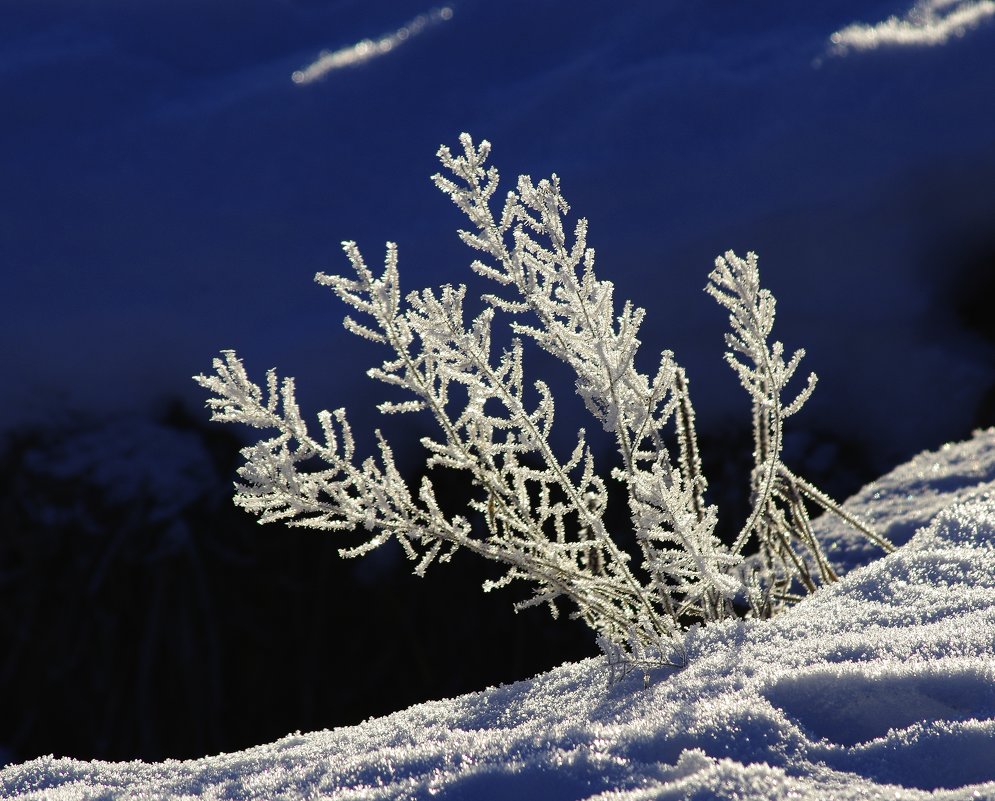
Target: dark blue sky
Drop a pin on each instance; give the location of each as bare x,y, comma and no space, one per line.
169,191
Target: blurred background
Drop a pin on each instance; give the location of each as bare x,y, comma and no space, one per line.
173,175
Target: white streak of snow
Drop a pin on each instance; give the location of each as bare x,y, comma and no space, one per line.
367,49
931,22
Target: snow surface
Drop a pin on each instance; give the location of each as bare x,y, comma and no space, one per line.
880,686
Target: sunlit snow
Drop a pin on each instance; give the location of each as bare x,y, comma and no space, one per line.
370,48
882,685
929,22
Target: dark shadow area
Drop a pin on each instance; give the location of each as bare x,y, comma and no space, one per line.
962,302
145,616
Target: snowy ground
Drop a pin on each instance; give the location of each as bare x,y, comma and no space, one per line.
882,685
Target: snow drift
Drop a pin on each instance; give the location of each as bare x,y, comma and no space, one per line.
883,683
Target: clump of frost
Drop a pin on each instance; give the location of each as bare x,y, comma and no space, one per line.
538,513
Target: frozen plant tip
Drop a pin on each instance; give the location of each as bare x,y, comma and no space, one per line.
542,514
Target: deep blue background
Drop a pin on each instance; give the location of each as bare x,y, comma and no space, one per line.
167,191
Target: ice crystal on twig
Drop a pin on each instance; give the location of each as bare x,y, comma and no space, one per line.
543,513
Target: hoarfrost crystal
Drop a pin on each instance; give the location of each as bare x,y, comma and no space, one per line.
544,514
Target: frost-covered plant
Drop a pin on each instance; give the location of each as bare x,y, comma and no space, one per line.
542,515
790,557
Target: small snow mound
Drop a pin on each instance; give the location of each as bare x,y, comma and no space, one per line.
911,497
931,755
971,523
848,704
